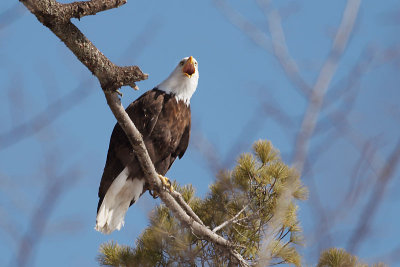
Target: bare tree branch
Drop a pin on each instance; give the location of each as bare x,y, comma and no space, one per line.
231,220
10,15
178,197
73,98
310,118
143,157
45,117
41,215
280,48
274,45
55,16
390,258
207,150
323,81
341,97
367,215
111,78
86,8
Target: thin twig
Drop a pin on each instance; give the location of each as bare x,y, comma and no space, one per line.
231,220
260,38
45,117
280,49
323,81
8,16
367,215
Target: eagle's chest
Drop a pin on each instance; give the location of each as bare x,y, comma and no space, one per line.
170,125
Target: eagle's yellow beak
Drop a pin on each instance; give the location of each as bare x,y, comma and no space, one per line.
189,69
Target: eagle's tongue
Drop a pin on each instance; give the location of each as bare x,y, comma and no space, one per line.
189,68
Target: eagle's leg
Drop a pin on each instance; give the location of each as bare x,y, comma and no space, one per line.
166,182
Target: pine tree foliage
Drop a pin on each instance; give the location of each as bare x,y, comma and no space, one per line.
115,255
239,206
337,257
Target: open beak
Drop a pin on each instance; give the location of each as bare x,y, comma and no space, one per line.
189,69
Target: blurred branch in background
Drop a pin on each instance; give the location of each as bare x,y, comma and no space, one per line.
56,17
73,98
44,118
46,182
322,84
213,159
10,15
54,190
277,47
315,96
367,215
326,119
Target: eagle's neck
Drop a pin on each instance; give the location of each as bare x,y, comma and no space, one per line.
181,87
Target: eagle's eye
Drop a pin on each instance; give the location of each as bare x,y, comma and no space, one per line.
195,63
181,63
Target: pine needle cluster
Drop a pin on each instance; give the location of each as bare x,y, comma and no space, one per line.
239,206
337,257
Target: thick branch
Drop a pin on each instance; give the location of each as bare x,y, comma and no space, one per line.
56,17
178,197
58,12
143,157
87,8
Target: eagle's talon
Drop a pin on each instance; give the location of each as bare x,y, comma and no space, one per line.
119,92
166,182
153,193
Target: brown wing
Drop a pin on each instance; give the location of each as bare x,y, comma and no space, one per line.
144,113
164,124
170,136
184,141
183,144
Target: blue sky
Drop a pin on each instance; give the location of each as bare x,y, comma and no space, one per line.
236,76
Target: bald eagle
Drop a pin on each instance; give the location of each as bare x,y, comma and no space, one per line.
162,115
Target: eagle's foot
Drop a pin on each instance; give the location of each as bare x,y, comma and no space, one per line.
166,182
119,93
153,193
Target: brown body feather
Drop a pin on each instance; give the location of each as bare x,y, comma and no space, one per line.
164,124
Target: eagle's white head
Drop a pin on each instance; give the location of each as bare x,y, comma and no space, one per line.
182,82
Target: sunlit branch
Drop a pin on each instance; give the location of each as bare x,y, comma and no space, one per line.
111,77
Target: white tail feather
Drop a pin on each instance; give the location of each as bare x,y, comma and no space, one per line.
116,202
